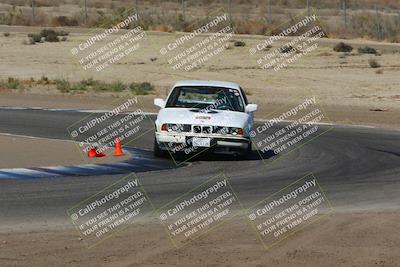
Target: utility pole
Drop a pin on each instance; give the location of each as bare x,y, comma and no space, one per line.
33,10
378,23
344,6
308,7
184,10
136,7
86,13
269,11
230,9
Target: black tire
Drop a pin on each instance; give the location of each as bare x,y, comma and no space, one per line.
244,154
158,153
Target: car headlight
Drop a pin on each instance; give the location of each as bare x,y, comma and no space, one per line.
177,128
221,130
236,131
164,127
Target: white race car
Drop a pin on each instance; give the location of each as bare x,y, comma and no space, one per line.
203,115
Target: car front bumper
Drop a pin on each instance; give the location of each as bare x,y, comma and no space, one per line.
168,141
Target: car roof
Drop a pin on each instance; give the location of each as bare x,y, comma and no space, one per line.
207,83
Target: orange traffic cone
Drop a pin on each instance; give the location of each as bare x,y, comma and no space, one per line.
93,153
100,154
118,150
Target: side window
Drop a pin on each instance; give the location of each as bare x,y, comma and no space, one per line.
244,96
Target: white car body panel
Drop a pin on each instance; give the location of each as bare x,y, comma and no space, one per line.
188,116
185,116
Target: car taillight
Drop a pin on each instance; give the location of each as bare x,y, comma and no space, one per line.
164,127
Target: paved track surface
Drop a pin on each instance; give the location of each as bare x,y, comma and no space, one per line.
358,168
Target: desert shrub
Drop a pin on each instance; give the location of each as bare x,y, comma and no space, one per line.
109,20
63,85
14,16
373,63
30,41
51,38
79,87
367,50
366,24
239,43
108,87
85,84
11,83
44,80
47,32
50,35
267,48
101,86
35,37
90,82
62,33
141,88
342,47
117,86
287,49
6,34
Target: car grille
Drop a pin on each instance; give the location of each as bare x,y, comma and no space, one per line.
198,129
205,129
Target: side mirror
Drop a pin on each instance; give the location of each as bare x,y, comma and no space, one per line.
159,102
251,108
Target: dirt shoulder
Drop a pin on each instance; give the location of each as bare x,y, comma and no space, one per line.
357,239
344,85
25,152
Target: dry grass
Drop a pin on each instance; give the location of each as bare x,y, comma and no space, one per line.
249,16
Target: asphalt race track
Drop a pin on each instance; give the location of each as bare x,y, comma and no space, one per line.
357,167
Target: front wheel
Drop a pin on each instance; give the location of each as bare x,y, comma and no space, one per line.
245,153
159,153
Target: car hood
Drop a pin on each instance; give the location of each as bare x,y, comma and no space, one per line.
213,118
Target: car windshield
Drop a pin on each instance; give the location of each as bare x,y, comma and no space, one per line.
206,97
